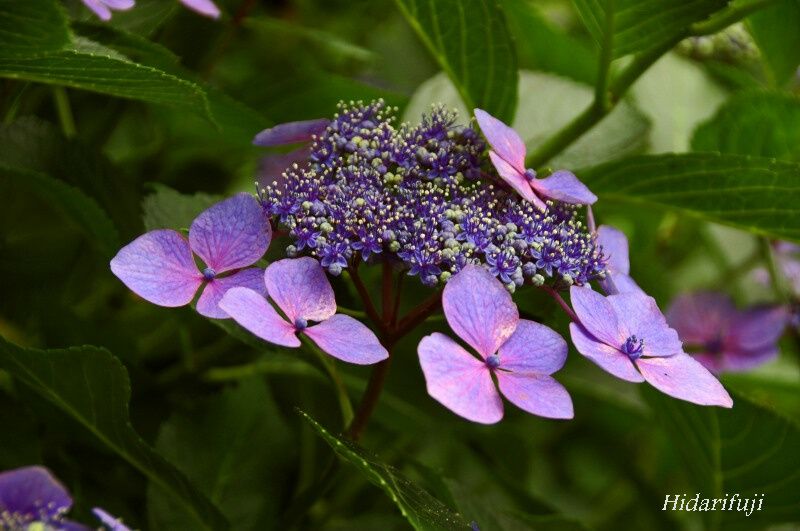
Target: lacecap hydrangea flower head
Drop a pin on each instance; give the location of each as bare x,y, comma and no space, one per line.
451,205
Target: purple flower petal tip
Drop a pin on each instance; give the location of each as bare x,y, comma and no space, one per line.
347,339
204,7
564,186
291,133
111,522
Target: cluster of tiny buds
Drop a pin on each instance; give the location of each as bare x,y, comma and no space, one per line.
422,196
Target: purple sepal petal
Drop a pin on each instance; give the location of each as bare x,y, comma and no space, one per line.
112,523
158,266
32,491
231,234
758,328
120,5
638,315
615,249
291,133
564,186
504,140
737,360
479,309
516,180
254,313
533,348
300,288
608,358
204,7
681,376
458,380
347,339
700,317
208,303
271,168
536,393
597,315
99,8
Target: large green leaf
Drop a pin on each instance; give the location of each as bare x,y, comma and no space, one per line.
91,386
470,41
166,208
32,27
547,104
629,26
760,123
748,450
237,449
755,194
776,32
422,510
76,206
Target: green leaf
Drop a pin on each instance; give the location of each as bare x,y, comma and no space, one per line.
747,450
91,386
470,41
760,123
32,27
548,104
542,46
630,26
237,448
108,74
775,30
422,510
754,194
166,208
76,206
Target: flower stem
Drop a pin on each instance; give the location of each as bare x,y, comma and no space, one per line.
64,112
370,398
345,406
561,302
369,307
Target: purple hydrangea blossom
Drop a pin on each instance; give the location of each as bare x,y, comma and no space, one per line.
725,338
103,8
522,355
300,289
229,236
508,156
31,495
628,336
412,194
614,246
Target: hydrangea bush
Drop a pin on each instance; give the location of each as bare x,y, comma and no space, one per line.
404,277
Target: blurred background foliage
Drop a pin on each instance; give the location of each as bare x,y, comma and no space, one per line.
109,129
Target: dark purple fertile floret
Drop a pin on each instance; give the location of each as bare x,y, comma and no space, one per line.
412,194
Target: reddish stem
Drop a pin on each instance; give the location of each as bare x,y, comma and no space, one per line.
561,302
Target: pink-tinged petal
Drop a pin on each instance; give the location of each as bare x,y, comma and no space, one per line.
120,5
291,133
158,266
300,288
108,520
32,491
99,8
533,348
638,315
254,313
208,303
504,140
479,309
458,380
701,317
564,186
596,315
348,339
608,358
737,361
536,393
231,234
204,7
683,377
615,249
757,328
516,180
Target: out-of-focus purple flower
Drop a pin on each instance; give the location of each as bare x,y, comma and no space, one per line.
521,354
271,167
614,246
229,236
31,495
291,133
204,7
103,8
508,156
787,258
725,338
628,336
303,293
